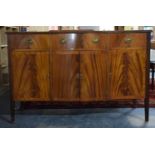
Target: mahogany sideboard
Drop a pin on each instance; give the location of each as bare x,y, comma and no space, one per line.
79,66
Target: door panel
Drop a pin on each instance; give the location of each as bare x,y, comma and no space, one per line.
93,75
127,73
30,75
65,71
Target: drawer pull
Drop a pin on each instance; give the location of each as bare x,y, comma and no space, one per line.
95,40
29,41
63,41
127,40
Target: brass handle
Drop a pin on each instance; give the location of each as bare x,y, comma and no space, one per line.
95,40
127,40
29,41
63,41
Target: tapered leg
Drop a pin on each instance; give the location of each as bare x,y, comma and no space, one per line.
12,111
134,105
146,102
152,78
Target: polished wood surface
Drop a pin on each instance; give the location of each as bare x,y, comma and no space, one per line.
29,41
30,75
93,75
70,41
65,73
127,73
93,41
127,40
79,65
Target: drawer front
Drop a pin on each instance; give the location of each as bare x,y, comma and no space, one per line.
65,41
29,41
128,40
93,41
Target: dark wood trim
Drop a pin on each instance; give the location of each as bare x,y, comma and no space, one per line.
79,60
12,103
146,100
80,31
50,73
13,111
72,105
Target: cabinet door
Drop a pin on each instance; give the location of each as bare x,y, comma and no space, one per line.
93,75
65,83
30,75
127,73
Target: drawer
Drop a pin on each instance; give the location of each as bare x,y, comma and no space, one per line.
92,41
69,41
28,41
128,40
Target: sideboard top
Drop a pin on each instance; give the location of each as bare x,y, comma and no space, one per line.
81,31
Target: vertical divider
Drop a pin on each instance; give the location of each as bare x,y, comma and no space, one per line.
146,100
50,76
81,48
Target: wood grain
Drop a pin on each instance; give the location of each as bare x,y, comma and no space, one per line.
88,41
30,75
70,41
127,73
38,41
119,40
65,71
83,66
93,70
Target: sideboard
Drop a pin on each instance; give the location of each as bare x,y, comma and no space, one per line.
79,66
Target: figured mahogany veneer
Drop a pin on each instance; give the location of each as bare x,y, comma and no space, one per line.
65,81
70,41
86,66
132,40
28,41
94,77
93,41
79,66
127,73
30,75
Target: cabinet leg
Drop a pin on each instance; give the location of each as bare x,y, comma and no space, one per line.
152,79
12,111
134,105
146,102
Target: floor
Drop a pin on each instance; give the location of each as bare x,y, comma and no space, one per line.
75,118
98,118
